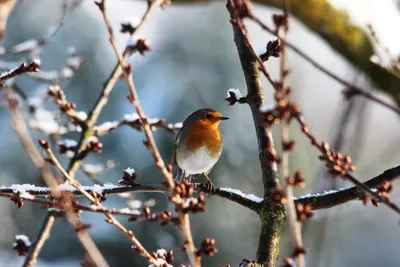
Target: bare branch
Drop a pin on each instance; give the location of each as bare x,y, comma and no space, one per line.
23,68
340,165
94,200
32,151
43,235
33,44
357,90
102,100
272,216
334,198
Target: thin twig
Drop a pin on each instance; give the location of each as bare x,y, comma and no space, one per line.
30,45
31,149
272,216
356,89
284,163
43,235
335,198
184,224
23,68
102,100
94,200
135,100
347,175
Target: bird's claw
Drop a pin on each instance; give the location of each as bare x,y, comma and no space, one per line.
210,188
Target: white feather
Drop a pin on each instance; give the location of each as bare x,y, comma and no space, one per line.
196,162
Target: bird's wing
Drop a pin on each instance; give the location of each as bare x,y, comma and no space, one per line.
175,170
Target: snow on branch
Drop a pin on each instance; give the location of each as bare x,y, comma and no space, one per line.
23,68
333,198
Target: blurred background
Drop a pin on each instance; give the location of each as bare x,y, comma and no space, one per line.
192,64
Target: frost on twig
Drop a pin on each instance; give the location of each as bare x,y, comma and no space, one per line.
250,197
138,44
129,177
23,68
21,244
129,24
235,96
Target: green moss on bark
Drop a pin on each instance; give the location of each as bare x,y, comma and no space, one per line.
272,219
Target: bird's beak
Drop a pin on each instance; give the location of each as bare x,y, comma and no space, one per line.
223,118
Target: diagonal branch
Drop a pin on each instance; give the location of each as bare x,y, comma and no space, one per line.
334,198
102,100
23,68
355,89
43,235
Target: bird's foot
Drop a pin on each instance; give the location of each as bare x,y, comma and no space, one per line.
210,186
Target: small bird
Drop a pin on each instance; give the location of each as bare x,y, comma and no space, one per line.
198,144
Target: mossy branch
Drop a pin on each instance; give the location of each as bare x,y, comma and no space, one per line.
272,216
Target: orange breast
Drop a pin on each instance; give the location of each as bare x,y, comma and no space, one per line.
200,134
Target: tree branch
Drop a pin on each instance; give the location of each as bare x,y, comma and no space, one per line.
355,89
43,235
329,200
272,216
336,28
23,68
248,201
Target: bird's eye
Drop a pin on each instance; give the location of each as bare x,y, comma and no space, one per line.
209,116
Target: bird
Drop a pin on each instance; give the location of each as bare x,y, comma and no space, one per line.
198,145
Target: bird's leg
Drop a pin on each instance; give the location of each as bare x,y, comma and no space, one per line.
178,175
182,176
211,186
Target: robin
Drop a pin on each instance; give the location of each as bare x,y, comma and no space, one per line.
198,144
